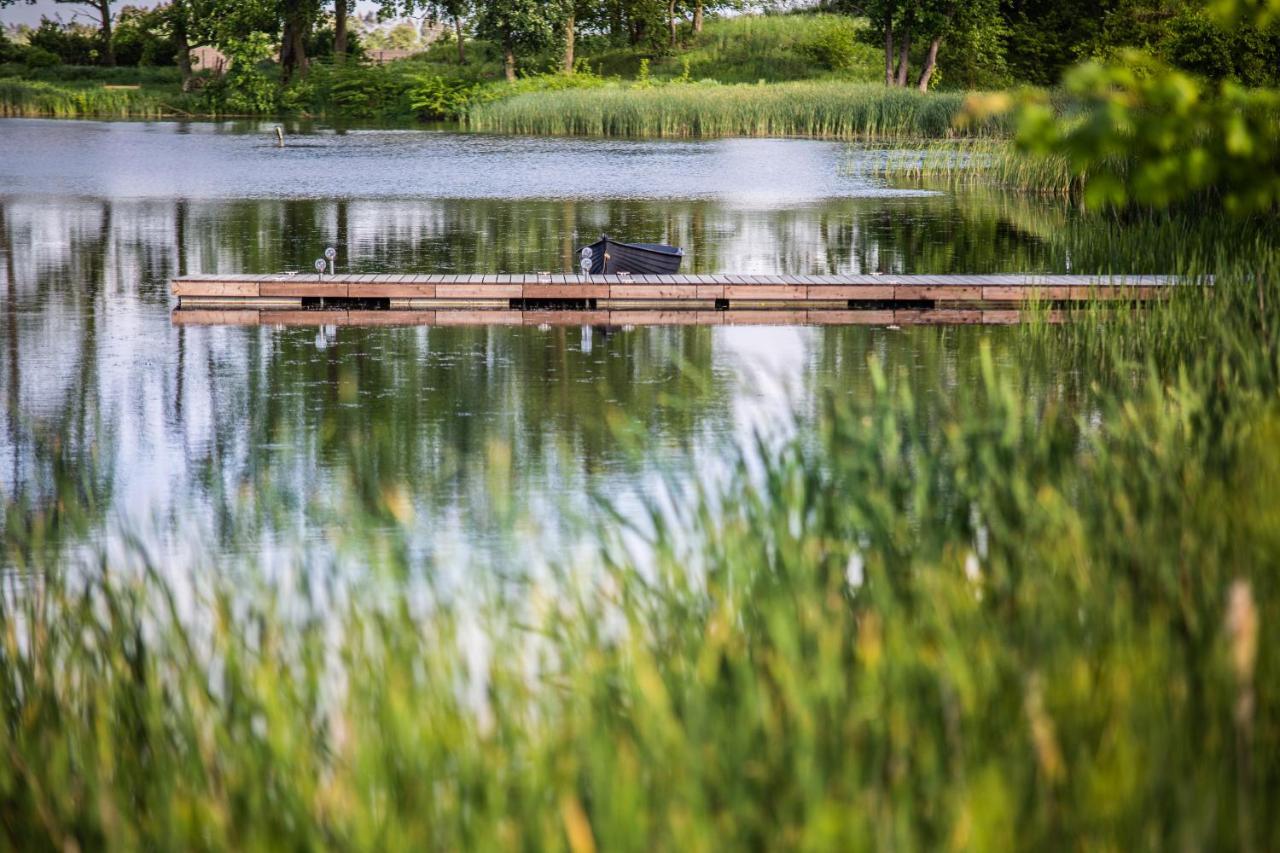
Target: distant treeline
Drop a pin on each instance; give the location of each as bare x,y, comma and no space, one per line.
921,43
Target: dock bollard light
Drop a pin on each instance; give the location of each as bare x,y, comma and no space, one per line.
320,267
587,257
331,253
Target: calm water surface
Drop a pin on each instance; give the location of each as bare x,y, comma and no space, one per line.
217,442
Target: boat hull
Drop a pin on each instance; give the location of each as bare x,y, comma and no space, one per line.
610,256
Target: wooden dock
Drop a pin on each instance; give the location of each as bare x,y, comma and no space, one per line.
390,299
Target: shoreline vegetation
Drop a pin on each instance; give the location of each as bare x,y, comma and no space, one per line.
986,620
812,109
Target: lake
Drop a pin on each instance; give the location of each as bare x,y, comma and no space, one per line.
127,433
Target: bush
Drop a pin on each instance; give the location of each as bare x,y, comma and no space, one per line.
143,37
73,44
247,88
833,44
436,97
38,57
9,52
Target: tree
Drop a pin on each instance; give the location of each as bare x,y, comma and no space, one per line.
224,23
144,37
453,11
898,22
102,10
519,26
1144,133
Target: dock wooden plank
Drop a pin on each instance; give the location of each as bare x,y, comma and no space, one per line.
1020,293
565,291
478,291
654,291
764,291
392,290
949,293
327,288
215,288
866,292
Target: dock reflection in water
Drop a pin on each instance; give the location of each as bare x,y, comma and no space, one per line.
223,440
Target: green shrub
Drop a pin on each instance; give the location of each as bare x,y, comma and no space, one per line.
38,57
436,97
247,88
833,44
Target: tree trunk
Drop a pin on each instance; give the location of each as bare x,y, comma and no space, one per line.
697,16
182,43
184,61
888,52
293,46
671,20
904,55
568,43
457,33
108,48
509,62
930,62
339,30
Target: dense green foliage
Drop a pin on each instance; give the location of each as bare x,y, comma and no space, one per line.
1153,136
978,44
750,48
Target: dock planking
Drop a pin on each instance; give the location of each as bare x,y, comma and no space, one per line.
442,299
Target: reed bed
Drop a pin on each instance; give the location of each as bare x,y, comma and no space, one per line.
38,99
976,163
991,621
828,110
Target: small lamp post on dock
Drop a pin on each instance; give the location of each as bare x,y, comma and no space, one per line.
331,253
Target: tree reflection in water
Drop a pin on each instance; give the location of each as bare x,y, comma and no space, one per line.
240,434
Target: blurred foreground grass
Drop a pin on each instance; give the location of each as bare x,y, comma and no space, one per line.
981,623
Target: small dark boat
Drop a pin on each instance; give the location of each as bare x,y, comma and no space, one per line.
610,256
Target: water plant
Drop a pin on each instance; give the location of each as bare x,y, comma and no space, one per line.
991,620
811,109
52,100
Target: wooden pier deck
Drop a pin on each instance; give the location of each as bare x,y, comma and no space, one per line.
391,299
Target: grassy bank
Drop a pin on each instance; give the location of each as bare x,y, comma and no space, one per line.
992,620
40,99
750,48
546,105
831,110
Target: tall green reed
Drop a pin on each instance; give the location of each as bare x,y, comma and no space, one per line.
833,110
33,98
